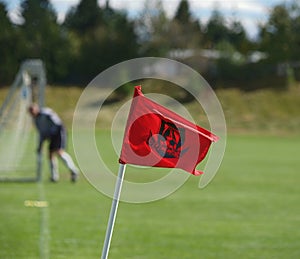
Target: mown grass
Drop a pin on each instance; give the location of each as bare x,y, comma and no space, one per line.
250,210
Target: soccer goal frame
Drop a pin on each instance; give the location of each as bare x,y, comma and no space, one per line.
16,129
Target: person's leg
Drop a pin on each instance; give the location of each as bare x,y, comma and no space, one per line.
54,175
58,143
67,159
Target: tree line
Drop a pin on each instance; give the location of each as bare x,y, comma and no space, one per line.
92,38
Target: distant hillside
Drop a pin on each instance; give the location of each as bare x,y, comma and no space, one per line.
263,111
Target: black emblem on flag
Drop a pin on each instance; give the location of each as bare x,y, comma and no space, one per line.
168,141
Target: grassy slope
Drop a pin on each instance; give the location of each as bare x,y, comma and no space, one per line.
263,111
260,111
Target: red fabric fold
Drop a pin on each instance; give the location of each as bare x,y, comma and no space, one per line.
155,136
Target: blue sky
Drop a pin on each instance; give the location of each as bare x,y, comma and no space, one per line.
249,12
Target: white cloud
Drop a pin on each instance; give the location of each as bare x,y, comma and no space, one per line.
249,12
15,15
248,6
170,6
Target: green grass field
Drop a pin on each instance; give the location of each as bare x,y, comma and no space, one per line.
250,210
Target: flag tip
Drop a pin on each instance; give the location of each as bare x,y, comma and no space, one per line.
197,172
137,91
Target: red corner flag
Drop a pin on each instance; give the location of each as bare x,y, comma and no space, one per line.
155,136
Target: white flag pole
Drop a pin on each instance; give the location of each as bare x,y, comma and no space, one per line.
113,211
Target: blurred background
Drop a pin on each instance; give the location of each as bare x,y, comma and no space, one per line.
248,51
243,44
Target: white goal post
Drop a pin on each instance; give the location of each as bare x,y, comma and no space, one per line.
18,161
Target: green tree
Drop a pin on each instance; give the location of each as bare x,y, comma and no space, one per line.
44,38
102,37
216,29
295,15
276,36
237,36
9,48
86,16
183,14
279,38
152,27
185,30
81,24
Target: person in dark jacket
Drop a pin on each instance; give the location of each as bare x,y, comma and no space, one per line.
51,129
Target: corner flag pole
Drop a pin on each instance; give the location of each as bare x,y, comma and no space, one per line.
113,211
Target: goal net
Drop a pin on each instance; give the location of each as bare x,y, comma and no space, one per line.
18,161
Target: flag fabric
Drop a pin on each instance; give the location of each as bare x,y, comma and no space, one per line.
156,136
